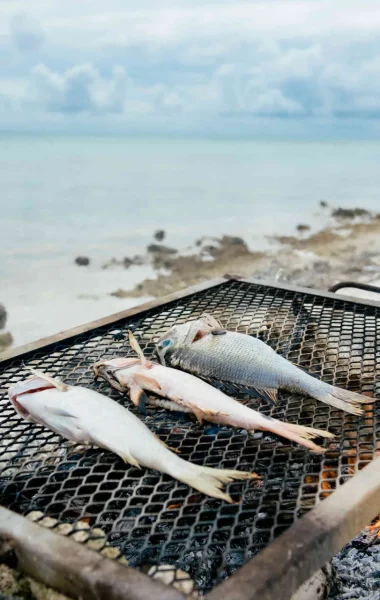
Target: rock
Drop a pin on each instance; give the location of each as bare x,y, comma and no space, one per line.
16,585
3,316
138,260
350,213
301,228
232,240
323,204
6,340
119,293
82,261
160,249
159,235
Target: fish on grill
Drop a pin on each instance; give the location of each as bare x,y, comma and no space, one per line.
87,417
205,348
184,392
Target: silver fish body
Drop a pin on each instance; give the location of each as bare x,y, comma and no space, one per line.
87,417
201,348
184,392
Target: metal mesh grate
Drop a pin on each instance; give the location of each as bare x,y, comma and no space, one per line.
153,519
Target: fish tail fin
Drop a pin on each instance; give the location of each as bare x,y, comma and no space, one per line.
300,434
210,481
342,399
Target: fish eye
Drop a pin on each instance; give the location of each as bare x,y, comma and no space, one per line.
166,343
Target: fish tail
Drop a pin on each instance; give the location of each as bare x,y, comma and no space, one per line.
300,434
343,399
210,481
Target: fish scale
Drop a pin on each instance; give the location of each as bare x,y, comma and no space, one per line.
203,348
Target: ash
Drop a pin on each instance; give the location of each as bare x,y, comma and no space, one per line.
357,569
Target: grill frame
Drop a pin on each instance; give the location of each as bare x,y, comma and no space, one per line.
365,515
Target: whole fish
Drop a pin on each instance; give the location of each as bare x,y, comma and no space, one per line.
87,417
184,392
205,348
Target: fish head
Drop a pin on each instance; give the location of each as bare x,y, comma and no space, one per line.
28,386
109,369
178,335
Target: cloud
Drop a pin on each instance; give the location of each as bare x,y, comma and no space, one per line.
79,89
26,32
190,59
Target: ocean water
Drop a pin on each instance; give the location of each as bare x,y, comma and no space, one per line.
104,197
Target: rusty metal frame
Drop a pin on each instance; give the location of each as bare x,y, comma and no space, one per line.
276,572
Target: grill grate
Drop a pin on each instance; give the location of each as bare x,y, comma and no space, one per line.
152,519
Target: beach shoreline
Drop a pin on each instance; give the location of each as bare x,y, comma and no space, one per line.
346,248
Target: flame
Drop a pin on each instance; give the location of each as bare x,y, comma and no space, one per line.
375,527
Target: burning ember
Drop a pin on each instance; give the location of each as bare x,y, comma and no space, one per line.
375,527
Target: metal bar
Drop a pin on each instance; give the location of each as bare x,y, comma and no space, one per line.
280,569
70,568
131,312
355,285
311,292
141,308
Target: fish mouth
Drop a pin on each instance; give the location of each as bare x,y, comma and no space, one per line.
102,367
107,369
28,386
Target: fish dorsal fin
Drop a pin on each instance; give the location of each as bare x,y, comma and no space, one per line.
270,392
212,321
62,387
137,348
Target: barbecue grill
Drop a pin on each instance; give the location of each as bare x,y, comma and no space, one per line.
149,518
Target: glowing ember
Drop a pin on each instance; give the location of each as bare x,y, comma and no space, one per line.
375,527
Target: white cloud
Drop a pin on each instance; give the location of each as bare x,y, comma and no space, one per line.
188,57
26,32
79,89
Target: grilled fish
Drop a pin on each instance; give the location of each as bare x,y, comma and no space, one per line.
184,392
205,348
87,417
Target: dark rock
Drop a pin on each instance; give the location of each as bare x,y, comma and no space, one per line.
6,340
159,235
3,316
211,250
350,213
82,261
127,262
233,240
323,204
301,228
160,249
138,260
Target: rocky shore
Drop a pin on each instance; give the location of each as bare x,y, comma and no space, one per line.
6,339
347,249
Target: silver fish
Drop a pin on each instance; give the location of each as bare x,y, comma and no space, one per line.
205,348
87,417
184,392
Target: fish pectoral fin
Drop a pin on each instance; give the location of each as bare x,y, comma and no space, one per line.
203,413
148,383
165,444
139,398
270,392
60,412
128,458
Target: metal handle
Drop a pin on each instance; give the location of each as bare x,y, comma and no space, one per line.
352,284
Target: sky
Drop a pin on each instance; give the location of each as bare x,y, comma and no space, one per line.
264,67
